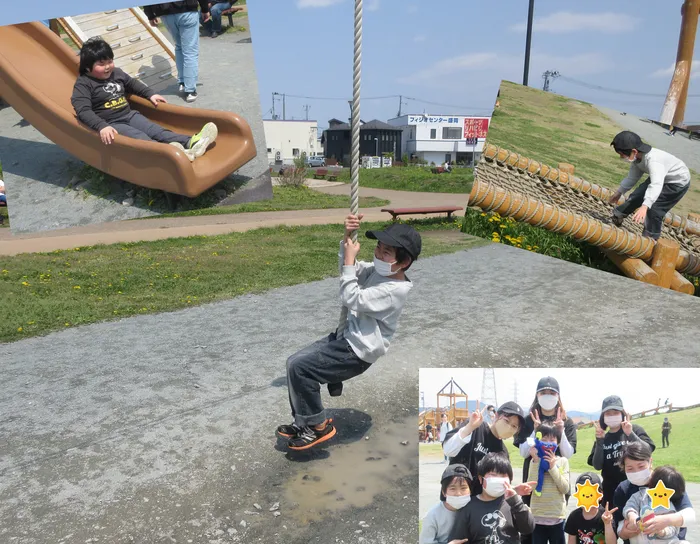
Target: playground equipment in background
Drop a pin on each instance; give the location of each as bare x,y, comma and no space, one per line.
534,193
454,414
37,73
673,110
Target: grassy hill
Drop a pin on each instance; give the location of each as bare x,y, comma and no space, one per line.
684,452
551,129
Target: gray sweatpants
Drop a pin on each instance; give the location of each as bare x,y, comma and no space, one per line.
135,125
671,193
328,360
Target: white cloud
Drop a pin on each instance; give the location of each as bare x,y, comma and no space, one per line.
668,72
564,22
507,66
372,5
301,4
419,38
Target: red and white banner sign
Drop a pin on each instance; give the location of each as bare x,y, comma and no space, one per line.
475,127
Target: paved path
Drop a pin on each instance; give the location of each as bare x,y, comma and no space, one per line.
37,171
160,228
159,428
679,145
430,470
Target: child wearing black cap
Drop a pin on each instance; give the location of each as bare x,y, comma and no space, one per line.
472,442
592,525
454,495
374,295
612,432
668,181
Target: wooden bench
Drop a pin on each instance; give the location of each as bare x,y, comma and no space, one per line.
333,175
230,11
320,173
395,212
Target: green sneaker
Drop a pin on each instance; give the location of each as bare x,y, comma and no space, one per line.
187,152
200,141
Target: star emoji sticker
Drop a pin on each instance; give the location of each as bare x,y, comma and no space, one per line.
588,496
661,496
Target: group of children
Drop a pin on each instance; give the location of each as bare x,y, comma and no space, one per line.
479,505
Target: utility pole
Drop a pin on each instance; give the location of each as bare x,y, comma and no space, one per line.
306,111
547,76
284,107
273,107
528,41
401,103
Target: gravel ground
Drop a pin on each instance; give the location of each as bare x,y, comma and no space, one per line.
159,428
679,145
37,172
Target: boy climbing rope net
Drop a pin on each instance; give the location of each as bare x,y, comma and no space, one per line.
374,295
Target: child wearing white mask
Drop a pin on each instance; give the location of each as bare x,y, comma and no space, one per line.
497,514
373,296
637,463
454,495
613,431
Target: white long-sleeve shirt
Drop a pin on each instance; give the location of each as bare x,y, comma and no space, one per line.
374,304
662,168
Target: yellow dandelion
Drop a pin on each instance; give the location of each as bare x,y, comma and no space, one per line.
25,283
19,329
76,287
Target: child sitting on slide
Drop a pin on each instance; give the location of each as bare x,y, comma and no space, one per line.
374,295
99,100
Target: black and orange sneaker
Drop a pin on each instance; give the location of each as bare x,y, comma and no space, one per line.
288,431
310,437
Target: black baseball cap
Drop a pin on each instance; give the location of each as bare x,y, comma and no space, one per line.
512,409
548,383
630,140
591,476
456,470
613,402
399,235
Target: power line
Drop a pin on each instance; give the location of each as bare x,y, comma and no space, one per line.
616,91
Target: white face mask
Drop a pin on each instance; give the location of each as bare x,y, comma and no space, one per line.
548,402
383,268
612,421
639,478
457,501
495,487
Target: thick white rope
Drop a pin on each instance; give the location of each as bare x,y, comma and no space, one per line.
355,128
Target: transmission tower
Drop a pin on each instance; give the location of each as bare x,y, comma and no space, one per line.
549,75
488,388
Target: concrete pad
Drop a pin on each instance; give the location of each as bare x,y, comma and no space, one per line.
37,172
160,428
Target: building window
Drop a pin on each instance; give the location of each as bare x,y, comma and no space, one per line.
433,133
448,157
451,133
295,152
269,150
410,134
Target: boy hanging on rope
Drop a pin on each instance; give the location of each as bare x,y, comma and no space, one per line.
374,295
668,181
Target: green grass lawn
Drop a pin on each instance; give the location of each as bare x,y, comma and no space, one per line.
413,178
552,129
284,198
684,453
51,291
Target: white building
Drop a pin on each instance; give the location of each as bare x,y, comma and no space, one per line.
440,138
287,140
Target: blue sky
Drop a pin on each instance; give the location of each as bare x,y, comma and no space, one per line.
454,52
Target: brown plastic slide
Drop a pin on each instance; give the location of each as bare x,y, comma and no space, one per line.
37,74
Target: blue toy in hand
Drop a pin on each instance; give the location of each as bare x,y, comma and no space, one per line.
542,449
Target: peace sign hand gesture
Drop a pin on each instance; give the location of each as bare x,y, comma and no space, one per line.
510,492
607,516
535,418
599,432
559,423
627,425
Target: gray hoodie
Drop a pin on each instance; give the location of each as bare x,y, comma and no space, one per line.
374,304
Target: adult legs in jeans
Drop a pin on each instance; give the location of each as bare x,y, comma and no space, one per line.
552,534
184,29
139,127
325,361
214,23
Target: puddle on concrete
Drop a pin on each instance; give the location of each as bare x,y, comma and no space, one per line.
354,474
